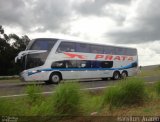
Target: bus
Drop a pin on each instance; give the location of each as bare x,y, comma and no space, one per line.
52,60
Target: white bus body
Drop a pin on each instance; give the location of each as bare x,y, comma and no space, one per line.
52,60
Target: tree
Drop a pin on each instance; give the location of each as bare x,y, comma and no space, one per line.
8,51
1,30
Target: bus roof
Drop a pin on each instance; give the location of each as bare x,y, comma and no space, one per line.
85,42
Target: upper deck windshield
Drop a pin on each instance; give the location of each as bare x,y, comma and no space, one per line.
38,59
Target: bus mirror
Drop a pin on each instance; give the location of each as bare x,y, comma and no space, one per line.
23,53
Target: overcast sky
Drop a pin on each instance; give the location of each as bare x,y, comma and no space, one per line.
133,23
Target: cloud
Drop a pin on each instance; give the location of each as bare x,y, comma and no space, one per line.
53,14
149,53
95,7
138,24
114,9
36,15
10,11
141,24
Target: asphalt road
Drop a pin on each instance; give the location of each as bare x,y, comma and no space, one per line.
18,89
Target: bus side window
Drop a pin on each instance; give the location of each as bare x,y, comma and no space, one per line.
107,64
71,64
80,47
119,51
131,52
83,64
96,49
108,50
66,47
58,64
95,64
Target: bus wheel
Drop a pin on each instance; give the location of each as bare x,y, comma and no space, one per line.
124,75
55,78
116,75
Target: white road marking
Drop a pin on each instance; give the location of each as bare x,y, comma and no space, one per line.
16,95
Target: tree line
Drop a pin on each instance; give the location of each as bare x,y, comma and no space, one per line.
10,46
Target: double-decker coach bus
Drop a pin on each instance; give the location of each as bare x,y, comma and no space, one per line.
52,60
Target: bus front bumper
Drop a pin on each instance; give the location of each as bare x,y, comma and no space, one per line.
39,76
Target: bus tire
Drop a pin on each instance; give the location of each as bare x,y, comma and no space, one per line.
55,78
124,75
116,75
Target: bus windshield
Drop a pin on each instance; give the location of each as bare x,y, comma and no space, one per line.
38,59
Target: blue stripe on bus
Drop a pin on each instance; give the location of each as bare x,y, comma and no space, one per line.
80,69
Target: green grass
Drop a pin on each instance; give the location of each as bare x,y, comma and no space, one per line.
157,88
153,72
67,99
126,92
149,108
33,96
134,100
91,103
16,107
128,97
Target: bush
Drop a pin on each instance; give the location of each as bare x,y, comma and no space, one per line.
128,92
91,103
134,91
157,87
34,96
13,106
113,96
42,109
67,99
5,107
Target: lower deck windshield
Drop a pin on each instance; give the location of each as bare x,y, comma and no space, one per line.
38,59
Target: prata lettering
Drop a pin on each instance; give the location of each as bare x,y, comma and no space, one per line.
113,57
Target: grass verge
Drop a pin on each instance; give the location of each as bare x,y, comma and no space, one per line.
128,97
67,99
126,92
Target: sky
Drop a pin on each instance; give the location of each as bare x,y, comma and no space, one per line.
130,23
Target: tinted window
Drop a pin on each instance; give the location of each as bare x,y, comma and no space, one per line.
66,47
131,52
35,60
71,64
43,44
83,64
38,59
108,50
82,48
59,64
96,64
96,49
119,51
107,64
